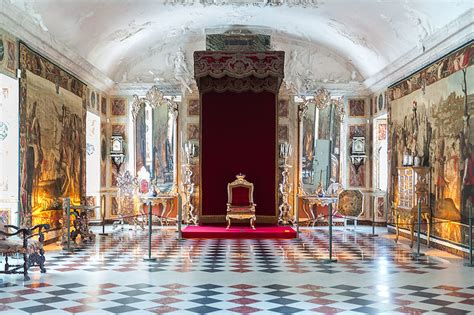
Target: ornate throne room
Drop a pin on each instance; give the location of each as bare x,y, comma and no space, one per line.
236,157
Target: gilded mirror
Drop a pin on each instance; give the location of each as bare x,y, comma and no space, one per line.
155,126
320,141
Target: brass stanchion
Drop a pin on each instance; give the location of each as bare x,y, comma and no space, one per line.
102,214
417,254
330,260
373,217
150,230
180,218
470,263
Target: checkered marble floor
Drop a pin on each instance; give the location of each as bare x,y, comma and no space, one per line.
371,275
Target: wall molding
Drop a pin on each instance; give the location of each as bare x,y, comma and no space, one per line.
442,42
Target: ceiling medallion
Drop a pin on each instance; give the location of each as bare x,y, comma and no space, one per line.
257,3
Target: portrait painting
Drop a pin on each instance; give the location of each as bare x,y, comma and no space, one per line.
193,132
5,215
357,107
93,100
193,107
10,55
283,134
119,129
2,49
118,106
382,131
283,108
103,105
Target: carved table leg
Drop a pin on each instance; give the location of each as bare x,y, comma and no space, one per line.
252,222
228,222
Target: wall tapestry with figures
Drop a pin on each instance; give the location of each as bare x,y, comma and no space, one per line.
431,117
52,138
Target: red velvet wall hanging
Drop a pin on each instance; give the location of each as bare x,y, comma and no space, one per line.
238,136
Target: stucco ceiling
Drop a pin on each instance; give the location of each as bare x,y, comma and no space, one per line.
337,41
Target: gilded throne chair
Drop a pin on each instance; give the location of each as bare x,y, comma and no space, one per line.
240,204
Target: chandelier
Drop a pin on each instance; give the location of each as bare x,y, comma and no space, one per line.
257,3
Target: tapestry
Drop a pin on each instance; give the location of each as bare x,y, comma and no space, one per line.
52,138
431,116
357,177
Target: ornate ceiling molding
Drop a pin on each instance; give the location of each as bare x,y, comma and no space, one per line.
20,25
254,3
435,46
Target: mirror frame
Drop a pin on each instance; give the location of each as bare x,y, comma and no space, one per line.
155,98
321,100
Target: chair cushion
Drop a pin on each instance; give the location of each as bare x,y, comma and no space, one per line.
14,245
240,196
240,210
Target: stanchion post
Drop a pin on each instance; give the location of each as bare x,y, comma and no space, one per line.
470,263
102,214
330,260
180,217
150,230
68,222
418,254
297,217
372,201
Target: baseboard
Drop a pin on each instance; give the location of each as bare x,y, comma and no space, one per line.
435,242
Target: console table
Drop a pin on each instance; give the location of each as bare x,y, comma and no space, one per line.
311,200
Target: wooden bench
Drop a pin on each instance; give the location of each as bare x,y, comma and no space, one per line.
20,242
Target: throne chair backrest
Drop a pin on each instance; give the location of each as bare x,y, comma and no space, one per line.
240,192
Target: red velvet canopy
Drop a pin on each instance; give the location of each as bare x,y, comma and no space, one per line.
238,128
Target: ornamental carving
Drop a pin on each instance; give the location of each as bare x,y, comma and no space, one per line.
238,65
154,97
253,84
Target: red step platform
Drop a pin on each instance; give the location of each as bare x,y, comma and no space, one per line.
239,232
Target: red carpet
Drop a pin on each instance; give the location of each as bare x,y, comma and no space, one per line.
282,232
